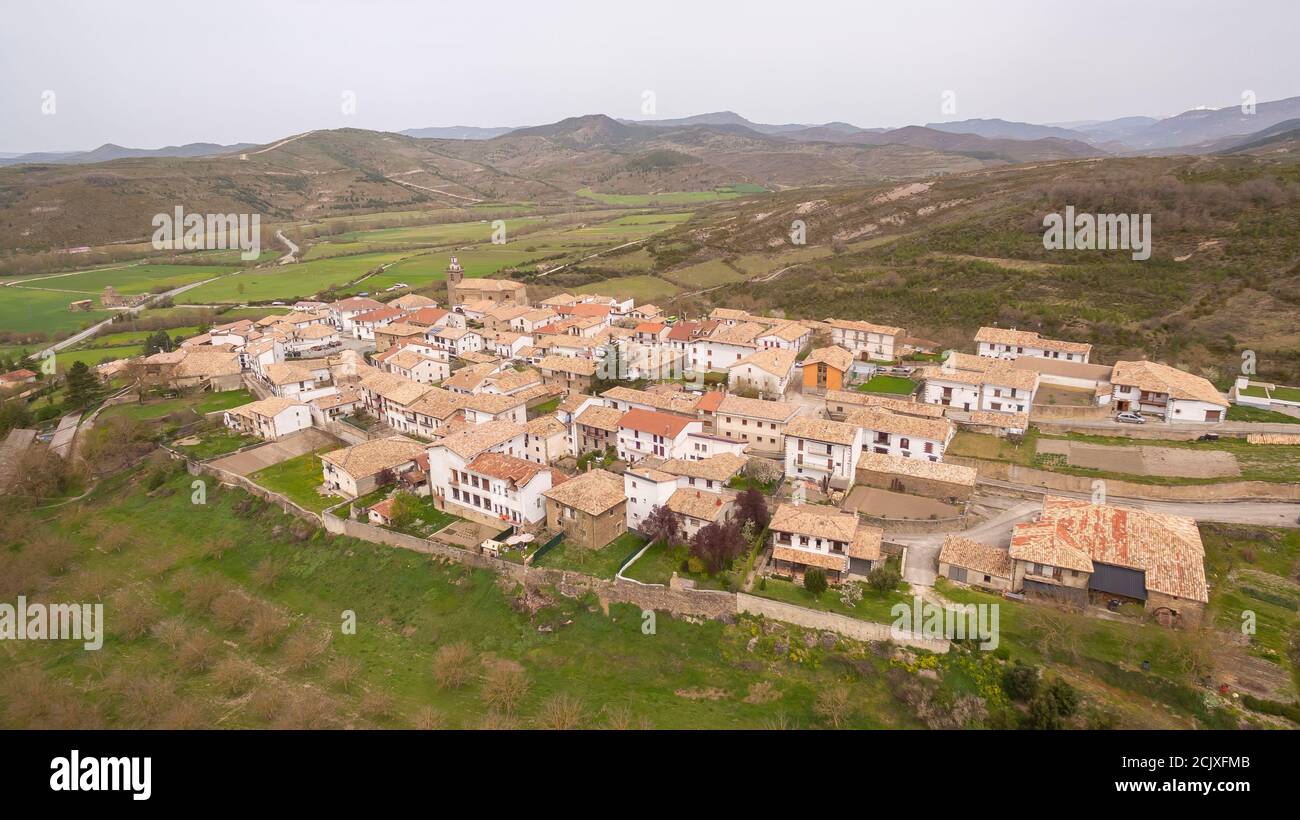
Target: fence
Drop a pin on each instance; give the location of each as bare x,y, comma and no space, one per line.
545,548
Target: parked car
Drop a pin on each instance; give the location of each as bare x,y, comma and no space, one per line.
1130,418
1209,437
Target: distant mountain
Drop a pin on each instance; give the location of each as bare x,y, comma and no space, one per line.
456,132
109,151
732,118
985,148
1004,130
1117,130
1283,134
1203,126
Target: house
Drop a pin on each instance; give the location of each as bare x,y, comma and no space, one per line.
470,379
344,401
644,433
725,346
969,562
19,376
647,313
364,325
533,319
825,369
416,366
505,487
270,418
396,333
433,412
822,450
1004,343
344,311
730,317
479,408
1170,394
381,514
499,317
808,535
864,339
510,381
546,438
573,374
786,336
711,474
1097,553
595,429
413,301
967,382
650,333
296,379
896,434
499,291
840,402
757,422
429,317
457,341
219,369
914,476
768,371
590,509
357,470
312,337
697,509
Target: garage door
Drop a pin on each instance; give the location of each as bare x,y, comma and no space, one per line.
1213,415
957,574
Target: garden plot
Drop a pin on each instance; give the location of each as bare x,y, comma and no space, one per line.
274,452
887,504
1144,460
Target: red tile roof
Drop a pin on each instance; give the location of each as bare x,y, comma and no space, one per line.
657,424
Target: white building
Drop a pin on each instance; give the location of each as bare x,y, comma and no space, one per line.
643,433
822,450
967,382
866,340
1003,343
270,418
1165,392
768,371
897,434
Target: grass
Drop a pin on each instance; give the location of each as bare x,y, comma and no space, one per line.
199,404
1244,412
893,385
216,443
659,563
299,281
25,311
546,408
430,520
874,606
602,563
672,197
642,288
679,675
744,482
704,275
297,479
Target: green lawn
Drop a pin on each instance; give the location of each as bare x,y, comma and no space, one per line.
893,385
430,520
290,282
641,288
744,482
216,443
659,563
671,197
297,479
25,310
602,563
874,606
200,404
1242,412
546,408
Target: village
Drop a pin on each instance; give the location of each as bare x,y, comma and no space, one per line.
729,451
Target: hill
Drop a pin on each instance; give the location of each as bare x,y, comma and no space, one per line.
109,151
1004,129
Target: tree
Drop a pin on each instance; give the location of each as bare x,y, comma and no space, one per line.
662,525
83,387
406,508
752,507
13,414
157,342
717,545
1020,682
834,704
883,578
814,580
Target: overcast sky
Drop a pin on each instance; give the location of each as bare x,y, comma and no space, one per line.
146,74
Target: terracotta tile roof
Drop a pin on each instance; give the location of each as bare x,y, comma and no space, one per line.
470,377
439,404
412,301
426,317
834,432
866,543
356,303
494,403
824,560
268,408
695,504
781,411
774,360
1028,338
834,356
815,520
584,309
992,418
865,327
960,551
963,368
345,395
1161,378
918,468
788,332
382,315
677,401
545,427
710,401
573,401
730,314
720,467
400,329
881,420
406,359
489,285
476,438
569,364
742,335
681,332
601,418
905,406
517,471
594,492
377,455
510,380
1167,548
208,363
653,422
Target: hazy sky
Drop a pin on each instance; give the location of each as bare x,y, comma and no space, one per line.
146,74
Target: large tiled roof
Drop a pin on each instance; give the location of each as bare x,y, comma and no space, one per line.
697,504
918,468
906,406
961,551
720,467
834,432
569,364
788,331
675,402
505,467
758,408
473,440
470,377
815,520
1154,377
1028,338
899,424
825,560
594,492
208,363
653,422
600,417
287,373
834,356
742,334
1073,534
371,457
267,408
865,327
493,403
774,360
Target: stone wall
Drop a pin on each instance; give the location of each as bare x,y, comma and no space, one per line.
853,628
1066,412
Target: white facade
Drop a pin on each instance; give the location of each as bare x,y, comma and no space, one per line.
813,459
862,339
644,494
634,445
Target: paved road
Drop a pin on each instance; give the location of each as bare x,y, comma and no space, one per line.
292,255
1112,427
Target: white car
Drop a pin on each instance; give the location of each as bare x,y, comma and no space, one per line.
1130,418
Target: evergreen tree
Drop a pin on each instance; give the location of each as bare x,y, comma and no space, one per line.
83,387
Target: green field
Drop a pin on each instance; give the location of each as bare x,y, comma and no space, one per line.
25,310
704,275
641,288
290,282
297,478
894,385
671,198
198,404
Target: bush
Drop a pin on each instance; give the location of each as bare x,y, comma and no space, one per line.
451,665
814,580
1020,682
884,578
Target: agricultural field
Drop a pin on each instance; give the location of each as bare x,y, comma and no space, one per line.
290,282
704,275
29,311
641,288
672,198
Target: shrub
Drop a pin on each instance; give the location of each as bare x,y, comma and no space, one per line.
505,683
560,712
234,676
883,578
1020,682
834,704
344,673
814,580
451,665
